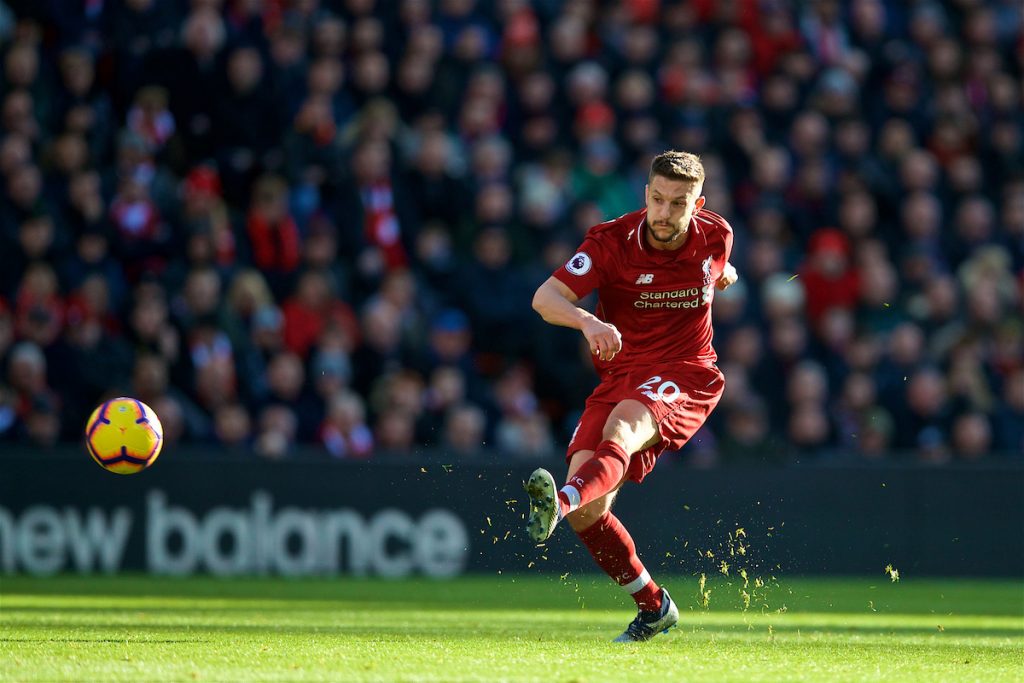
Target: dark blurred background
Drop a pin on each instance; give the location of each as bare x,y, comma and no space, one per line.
315,226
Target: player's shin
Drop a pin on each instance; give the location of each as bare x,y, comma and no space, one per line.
615,553
596,477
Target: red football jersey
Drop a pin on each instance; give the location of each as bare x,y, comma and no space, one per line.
660,301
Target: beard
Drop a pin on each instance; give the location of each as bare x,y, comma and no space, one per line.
676,232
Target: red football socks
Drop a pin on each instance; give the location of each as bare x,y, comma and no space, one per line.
599,475
615,553
607,540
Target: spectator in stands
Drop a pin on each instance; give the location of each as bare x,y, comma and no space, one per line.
344,433
395,433
278,427
1009,418
232,428
286,384
36,407
273,235
464,430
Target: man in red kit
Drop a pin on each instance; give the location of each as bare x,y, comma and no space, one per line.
656,271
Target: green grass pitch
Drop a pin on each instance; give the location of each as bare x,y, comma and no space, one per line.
521,628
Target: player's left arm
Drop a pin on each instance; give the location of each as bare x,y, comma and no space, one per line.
729,275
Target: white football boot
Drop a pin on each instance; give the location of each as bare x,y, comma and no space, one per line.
543,505
649,624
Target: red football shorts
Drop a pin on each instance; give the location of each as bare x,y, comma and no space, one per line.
680,397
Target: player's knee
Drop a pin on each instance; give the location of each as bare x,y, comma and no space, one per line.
625,433
620,430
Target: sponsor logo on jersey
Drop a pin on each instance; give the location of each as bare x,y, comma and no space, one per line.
645,278
579,264
687,297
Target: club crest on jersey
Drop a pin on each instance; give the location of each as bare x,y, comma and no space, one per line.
708,290
579,264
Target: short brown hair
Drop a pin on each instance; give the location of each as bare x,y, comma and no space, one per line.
678,166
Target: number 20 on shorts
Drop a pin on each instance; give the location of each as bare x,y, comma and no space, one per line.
667,392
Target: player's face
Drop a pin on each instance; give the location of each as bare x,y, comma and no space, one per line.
670,204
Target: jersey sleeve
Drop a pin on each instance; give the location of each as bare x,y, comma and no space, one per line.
728,241
586,270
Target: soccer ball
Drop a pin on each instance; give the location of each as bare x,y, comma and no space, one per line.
124,435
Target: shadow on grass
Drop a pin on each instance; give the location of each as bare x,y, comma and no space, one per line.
133,641
470,629
371,598
474,593
468,605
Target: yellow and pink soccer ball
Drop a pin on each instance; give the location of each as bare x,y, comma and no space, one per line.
123,435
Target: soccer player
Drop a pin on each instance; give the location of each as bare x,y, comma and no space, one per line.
656,271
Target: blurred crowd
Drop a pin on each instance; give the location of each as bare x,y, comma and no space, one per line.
320,222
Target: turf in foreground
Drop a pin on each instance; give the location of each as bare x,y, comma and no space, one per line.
502,628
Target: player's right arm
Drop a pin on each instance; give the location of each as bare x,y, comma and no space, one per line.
556,303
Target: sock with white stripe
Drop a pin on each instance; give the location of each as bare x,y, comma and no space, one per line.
615,553
596,477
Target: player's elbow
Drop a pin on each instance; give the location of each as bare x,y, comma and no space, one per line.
545,301
539,302
550,302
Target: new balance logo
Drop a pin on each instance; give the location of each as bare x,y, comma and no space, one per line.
645,279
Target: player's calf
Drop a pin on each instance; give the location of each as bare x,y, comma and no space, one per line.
588,515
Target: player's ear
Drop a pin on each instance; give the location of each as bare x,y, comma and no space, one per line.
647,192
699,203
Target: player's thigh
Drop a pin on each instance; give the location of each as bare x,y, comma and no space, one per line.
683,400
633,425
588,433
615,411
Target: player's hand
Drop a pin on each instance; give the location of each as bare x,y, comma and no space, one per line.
728,276
605,341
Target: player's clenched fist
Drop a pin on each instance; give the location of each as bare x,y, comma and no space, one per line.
728,276
605,341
